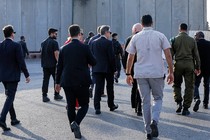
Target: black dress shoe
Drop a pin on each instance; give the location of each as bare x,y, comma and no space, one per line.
15,122
45,99
98,112
149,137
76,129
196,107
179,107
114,107
154,128
185,112
139,113
4,126
58,97
205,106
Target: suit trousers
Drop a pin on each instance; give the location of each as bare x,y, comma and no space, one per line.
148,86
135,97
100,80
47,72
82,94
206,77
10,91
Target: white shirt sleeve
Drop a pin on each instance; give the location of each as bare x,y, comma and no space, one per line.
165,43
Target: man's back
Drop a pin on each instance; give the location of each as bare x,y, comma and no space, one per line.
11,61
103,51
204,49
149,44
183,47
75,58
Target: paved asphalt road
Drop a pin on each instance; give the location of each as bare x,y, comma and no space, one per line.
48,121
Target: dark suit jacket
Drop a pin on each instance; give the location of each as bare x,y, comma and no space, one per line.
72,67
11,61
204,50
104,53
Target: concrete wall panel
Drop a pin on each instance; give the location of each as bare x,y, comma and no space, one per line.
117,16
66,19
179,14
41,23
13,16
2,17
90,13
132,15
196,19
54,16
28,23
148,7
163,17
103,12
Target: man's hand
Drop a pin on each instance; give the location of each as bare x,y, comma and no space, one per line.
129,80
170,78
197,72
57,87
28,79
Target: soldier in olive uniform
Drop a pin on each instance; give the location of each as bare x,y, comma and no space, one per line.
187,64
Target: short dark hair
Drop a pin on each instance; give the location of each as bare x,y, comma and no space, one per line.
22,37
51,30
114,35
8,30
146,20
74,30
104,29
183,26
200,34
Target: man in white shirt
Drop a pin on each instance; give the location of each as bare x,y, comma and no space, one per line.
149,71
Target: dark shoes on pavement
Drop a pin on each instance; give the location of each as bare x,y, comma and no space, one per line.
114,107
45,99
149,137
4,126
15,122
139,113
205,106
197,103
185,112
179,108
58,97
154,128
97,112
76,129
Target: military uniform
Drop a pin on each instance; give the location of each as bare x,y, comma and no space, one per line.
186,56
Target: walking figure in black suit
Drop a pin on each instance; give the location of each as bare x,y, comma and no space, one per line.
104,69
11,64
74,76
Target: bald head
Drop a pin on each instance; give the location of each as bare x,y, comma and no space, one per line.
136,28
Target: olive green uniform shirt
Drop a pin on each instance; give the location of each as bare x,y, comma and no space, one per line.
184,47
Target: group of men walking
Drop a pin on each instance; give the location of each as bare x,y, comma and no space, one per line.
142,61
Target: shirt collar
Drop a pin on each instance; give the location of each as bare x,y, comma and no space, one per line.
147,28
103,36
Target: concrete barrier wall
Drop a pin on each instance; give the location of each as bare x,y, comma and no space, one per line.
32,18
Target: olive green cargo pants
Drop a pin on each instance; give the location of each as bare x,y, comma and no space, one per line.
184,69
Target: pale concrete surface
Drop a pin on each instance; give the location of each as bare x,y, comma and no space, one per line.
48,121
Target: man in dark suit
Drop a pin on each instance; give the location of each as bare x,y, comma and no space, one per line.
203,49
135,95
74,76
22,42
11,65
104,69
